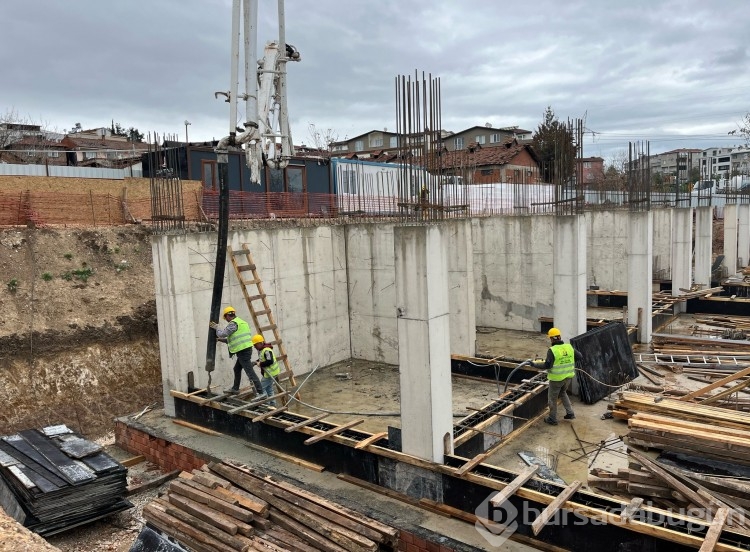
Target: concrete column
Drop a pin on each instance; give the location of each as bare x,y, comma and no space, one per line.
640,273
682,253
569,267
730,238
569,284
461,294
703,245
423,341
743,234
174,314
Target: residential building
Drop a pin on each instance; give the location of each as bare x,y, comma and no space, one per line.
484,136
510,162
678,166
100,148
592,170
722,163
364,145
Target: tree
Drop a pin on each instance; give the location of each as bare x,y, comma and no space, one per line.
555,146
132,133
32,138
322,139
743,129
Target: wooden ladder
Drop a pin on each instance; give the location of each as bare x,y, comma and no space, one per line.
263,317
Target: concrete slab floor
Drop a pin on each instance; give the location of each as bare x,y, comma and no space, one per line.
355,388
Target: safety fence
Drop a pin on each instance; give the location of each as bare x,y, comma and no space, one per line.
31,208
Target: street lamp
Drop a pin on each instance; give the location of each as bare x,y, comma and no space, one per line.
187,149
186,132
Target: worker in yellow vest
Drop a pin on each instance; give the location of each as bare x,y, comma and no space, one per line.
561,369
269,366
236,334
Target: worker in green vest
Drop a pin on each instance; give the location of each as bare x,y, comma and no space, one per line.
561,369
268,364
238,337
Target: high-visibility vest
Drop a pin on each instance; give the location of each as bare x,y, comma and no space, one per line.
565,365
241,339
272,370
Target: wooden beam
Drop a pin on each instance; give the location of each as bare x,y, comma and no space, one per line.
336,430
289,458
128,462
554,506
514,485
731,391
196,427
714,531
720,383
268,414
471,464
307,422
371,440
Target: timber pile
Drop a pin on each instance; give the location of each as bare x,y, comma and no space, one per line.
630,403
693,345
225,507
665,486
707,439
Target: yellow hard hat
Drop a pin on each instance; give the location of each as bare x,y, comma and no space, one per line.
553,332
257,338
228,310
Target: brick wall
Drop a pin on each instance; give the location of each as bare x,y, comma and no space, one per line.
165,454
409,542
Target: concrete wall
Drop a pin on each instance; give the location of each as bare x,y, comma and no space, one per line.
662,250
608,241
303,272
513,270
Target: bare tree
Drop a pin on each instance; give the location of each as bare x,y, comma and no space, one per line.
743,129
322,139
22,139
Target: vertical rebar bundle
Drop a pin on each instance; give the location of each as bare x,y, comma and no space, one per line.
639,176
167,214
421,194
567,168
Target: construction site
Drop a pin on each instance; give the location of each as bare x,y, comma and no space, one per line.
408,325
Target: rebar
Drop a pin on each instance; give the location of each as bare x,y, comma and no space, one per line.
167,213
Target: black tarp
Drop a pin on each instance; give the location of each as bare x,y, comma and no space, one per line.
607,361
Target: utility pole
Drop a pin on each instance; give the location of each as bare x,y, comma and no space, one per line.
187,149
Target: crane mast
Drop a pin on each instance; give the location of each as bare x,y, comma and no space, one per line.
265,135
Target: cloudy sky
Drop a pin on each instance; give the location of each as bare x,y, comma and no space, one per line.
676,73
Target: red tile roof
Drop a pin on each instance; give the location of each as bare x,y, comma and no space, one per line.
480,156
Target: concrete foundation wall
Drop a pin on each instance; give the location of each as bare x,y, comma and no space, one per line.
608,240
513,271
662,246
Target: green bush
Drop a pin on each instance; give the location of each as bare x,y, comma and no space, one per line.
68,256
46,276
67,276
12,285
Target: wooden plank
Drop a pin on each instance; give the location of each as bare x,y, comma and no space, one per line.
129,462
289,458
714,531
514,485
731,391
304,532
218,534
471,464
224,522
336,430
173,527
554,506
148,485
307,422
202,497
371,440
261,417
196,427
720,383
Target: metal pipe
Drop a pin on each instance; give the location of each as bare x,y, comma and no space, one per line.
234,64
527,362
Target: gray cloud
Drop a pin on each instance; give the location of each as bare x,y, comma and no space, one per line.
670,72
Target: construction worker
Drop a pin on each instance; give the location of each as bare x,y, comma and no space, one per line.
269,366
236,334
560,366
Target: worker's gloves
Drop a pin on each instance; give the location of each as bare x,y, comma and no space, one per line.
213,325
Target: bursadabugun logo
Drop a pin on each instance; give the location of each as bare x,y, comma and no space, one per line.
496,522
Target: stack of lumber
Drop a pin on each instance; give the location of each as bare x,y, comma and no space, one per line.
707,439
687,345
630,403
227,507
672,488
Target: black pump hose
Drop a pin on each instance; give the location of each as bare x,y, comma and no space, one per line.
221,259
